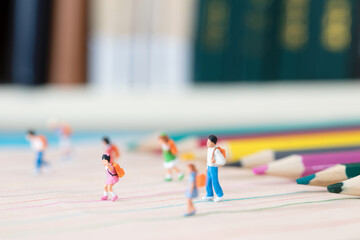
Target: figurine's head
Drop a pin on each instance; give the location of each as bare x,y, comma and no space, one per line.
163,138
30,134
106,140
105,157
212,140
191,168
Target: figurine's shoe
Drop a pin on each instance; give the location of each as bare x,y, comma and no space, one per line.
167,179
217,199
104,198
190,214
114,198
207,198
181,176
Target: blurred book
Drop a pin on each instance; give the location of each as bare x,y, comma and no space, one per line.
5,40
316,39
211,40
30,41
251,45
137,44
68,42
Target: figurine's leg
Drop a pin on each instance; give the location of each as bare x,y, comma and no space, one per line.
113,194
176,170
191,209
106,194
180,174
38,162
168,176
209,184
215,182
190,205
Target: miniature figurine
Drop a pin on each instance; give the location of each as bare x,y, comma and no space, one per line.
64,133
113,172
111,149
170,161
215,157
38,144
192,191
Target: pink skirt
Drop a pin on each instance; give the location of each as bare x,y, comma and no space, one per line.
111,179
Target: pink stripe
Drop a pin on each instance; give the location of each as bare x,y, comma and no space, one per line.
45,205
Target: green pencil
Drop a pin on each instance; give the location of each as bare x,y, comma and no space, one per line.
349,187
335,174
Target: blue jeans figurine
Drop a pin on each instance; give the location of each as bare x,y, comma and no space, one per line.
212,180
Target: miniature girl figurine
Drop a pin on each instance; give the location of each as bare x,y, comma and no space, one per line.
192,191
112,178
170,160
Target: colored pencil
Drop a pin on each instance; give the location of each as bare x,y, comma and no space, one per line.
236,149
149,143
202,141
296,166
335,174
349,187
268,156
240,148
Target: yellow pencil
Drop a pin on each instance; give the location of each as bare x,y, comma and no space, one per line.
236,149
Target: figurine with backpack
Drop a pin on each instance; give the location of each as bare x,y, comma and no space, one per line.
38,144
64,133
170,160
215,157
113,172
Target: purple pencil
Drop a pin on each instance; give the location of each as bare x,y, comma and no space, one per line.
296,166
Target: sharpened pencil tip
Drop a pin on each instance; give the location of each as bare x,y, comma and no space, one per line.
335,188
305,180
260,170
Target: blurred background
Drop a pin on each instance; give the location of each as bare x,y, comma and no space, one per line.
177,64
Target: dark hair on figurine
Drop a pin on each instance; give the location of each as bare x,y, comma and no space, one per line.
106,140
213,139
30,132
106,157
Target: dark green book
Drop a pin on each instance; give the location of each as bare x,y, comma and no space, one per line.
293,37
251,45
211,39
315,39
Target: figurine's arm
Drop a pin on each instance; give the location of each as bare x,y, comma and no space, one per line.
109,166
165,147
193,186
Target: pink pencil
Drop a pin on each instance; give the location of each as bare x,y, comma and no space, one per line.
296,166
